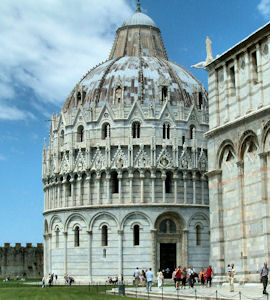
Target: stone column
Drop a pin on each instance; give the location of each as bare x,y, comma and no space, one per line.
79,189
216,223
265,204
49,235
217,99
260,74
130,175
237,85
250,82
153,177
175,178
163,177
203,179
120,234
227,94
88,183
194,178
154,250
98,188
185,247
119,176
142,186
90,235
45,256
73,197
64,182
108,180
58,193
185,186
65,252
241,196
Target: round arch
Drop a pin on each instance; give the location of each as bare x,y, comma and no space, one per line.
69,219
174,216
246,135
136,213
266,131
198,214
93,219
53,219
226,143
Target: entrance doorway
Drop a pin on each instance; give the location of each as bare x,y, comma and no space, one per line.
168,258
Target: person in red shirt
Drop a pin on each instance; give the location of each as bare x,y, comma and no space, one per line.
178,276
209,276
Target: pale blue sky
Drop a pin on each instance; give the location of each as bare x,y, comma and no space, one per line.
46,46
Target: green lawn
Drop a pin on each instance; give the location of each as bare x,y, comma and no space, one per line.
16,290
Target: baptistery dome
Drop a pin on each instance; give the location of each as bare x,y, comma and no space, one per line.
123,173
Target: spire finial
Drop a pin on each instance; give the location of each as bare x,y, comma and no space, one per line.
138,6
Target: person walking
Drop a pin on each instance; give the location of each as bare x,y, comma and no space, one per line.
209,276
136,277
264,277
149,279
143,278
178,277
191,278
231,277
43,282
184,277
160,278
202,276
173,276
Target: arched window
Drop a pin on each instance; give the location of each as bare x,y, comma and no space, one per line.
166,131
198,235
200,100
167,226
57,238
164,93
80,134
62,136
136,235
168,183
191,131
77,236
104,235
118,95
79,98
106,131
136,130
115,183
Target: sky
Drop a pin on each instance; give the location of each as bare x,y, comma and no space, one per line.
47,45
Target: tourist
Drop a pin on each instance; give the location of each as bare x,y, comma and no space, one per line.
43,282
202,276
160,278
136,277
56,279
264,277
191,276
232,274
178,276
143,278
209,276
149,279
184,277
173,277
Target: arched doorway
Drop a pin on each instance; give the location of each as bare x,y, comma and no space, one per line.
171,242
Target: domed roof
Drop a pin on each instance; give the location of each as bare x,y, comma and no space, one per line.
139,19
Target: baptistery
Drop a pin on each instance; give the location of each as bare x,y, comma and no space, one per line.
124,171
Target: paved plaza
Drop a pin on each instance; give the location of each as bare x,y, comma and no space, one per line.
249,291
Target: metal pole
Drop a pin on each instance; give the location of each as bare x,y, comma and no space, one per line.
240,295
136,292
195,294
177,294
216,295
162,292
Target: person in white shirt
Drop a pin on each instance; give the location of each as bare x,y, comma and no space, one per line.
149,279
137,274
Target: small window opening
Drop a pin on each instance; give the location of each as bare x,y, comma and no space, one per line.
232,77
167,226
118,95
80,134
106,131
104,253
136,235
168,183
57,238
198,235
104,235
254,65
164,93
62,135
79,98
200,100
136,130
115,183
69,189
191,131
77,236
183,140
166,131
